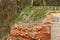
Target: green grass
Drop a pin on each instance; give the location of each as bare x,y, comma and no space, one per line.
37,13
21,18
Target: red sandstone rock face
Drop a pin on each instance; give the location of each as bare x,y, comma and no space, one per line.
35,33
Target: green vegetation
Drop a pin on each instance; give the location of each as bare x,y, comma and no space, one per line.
40,12
33,16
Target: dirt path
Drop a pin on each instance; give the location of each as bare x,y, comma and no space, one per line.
55,28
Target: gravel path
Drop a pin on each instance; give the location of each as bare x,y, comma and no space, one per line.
55,27
55,31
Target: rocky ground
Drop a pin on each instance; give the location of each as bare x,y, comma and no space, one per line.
36,32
